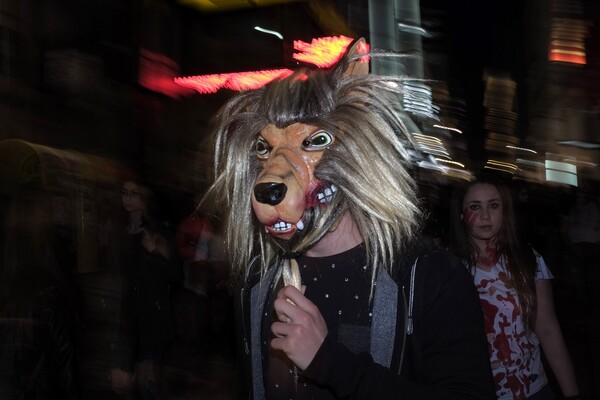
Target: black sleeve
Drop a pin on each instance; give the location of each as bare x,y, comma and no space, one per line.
242,384
170,266
123,341
450,358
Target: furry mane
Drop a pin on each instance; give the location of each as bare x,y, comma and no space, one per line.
368,162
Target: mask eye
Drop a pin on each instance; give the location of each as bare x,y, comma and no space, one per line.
318,141
262,147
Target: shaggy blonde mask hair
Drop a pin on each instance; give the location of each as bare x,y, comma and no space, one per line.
367,162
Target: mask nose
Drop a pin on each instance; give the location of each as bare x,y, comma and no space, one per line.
271,193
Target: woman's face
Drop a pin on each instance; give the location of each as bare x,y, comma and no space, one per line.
482,211
131,197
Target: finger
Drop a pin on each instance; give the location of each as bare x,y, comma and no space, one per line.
280,329
297,297
287,292
281,294
284,318
285,310
277,343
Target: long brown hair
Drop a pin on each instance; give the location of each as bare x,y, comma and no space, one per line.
521,264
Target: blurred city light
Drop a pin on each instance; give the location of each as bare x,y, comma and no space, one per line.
326,51
322,52
237,81
270,32
561,172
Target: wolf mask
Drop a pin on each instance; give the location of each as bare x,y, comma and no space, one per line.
294,156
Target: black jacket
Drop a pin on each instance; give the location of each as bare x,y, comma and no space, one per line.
430,342
145,325
39,363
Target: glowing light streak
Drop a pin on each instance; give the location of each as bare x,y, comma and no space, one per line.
417,100
450,162
567,43
530,162
577,143
156,73
569,52
503,164
422,107
568,58
420,136
413,29
448,128
270,32
234,81
324,52
430,144
252,80
575,161
521,148
434,151
498,169
203,84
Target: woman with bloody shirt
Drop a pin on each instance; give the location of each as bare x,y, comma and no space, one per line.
515,291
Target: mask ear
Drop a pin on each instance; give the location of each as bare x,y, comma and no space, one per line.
359,66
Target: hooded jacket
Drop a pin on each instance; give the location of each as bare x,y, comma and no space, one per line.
426,340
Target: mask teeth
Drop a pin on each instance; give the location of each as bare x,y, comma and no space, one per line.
327,194
300,225
282,226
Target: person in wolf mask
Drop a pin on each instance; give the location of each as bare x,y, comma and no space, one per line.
339,297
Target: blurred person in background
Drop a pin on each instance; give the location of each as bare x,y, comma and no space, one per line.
516,297
581,230
147,268
200,248
192,240
37,319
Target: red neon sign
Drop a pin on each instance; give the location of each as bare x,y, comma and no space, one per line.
234,81
322,52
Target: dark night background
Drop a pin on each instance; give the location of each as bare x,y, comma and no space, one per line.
70,81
